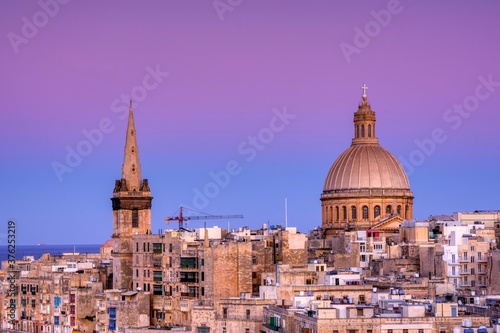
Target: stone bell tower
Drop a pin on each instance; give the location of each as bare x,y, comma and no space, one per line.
131,209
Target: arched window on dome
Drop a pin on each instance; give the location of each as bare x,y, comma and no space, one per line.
376,211
337,213
363,131
399,210
329,213
344,213
365,212
357,131
369,131
353,213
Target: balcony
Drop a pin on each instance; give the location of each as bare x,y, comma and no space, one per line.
464,272
464,260
189,294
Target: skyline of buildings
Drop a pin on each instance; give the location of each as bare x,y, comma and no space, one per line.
376,272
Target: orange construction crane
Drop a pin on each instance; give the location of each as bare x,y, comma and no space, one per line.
181,218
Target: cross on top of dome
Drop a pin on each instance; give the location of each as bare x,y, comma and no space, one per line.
364,87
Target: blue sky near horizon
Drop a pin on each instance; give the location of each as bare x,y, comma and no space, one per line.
205,81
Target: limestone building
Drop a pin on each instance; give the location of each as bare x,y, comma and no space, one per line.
366,186
131,209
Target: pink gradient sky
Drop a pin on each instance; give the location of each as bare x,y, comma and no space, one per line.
225,78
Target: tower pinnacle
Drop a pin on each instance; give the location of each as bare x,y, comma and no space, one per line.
131,169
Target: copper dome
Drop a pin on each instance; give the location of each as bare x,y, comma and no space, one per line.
366,166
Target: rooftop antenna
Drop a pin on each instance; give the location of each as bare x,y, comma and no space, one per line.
286,213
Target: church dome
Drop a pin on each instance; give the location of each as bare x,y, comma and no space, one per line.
366,166
366,184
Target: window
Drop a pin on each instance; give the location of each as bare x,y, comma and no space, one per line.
170,247
362,247
56,320
202,276
362,299
362,258
389,331
157,247
136,273
365,213
112,313
452,258
472,248
157,276
377,246
472,271
399,209
479,256
135,218
405,330
465,255
376,211
248,314
363,131
202,291
112,325
369,130
420,330
247,330
359,312
254,260
453,270
224,313
203,329
337,213
353,213
202,261
223,330
388,209
157,289
472,259
344,213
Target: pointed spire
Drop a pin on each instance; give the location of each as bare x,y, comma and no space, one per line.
131,169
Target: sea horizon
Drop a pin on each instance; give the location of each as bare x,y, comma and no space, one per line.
38,249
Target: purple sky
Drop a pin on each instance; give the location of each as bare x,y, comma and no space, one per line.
66,72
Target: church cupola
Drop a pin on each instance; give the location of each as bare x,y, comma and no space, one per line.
364,122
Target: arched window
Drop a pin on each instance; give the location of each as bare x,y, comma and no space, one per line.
399,209
344,212
363,131
353,213
337,213
388,209
357,131
376,211
365,212
369,130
